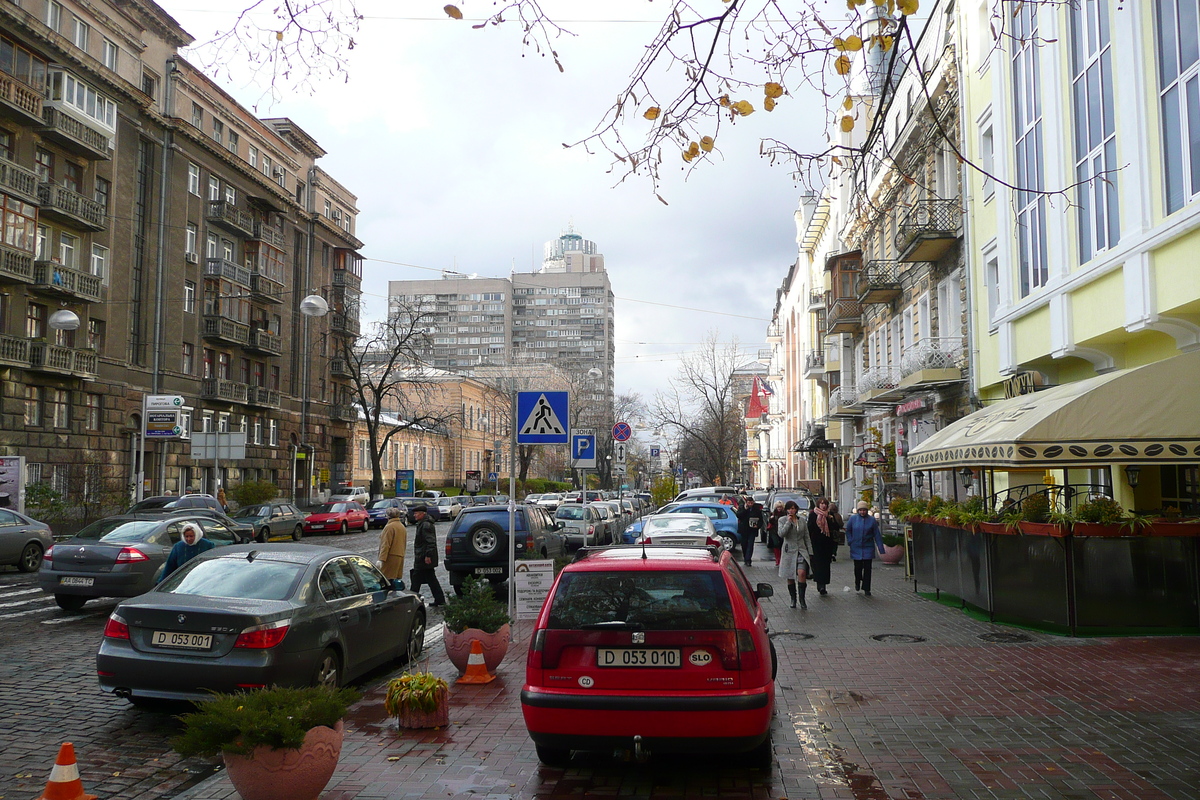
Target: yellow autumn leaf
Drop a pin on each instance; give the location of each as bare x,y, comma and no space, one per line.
769,104
836,160
773,90
886,42
852,4
651,113
688,156
723,100
743,107
848,103
839,43
853,43
907,6
693,149
453,12
706,144
842,65
847,123
279,36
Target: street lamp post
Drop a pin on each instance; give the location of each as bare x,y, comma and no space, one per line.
311,306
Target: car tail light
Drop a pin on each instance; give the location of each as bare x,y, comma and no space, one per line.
748,656
535,650
49,554
528,541
116,627
262,637
130,555
447,548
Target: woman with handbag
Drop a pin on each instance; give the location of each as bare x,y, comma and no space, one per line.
820,532
794,558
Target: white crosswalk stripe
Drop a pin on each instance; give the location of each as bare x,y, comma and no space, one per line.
24,602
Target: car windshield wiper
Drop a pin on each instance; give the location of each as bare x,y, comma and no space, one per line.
618,624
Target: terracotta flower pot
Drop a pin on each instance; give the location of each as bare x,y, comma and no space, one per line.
270,774
1098,529
1042,529
458,647
892,554
438,718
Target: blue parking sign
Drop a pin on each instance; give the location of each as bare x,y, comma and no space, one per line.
583,450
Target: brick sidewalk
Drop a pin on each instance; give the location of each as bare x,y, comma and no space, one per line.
858,718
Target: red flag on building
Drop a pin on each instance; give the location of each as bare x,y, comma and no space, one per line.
758,402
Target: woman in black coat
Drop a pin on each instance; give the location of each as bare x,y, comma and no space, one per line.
821,531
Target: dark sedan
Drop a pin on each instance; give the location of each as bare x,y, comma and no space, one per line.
377,510
430,506
256,615
23,540
276,518
120,556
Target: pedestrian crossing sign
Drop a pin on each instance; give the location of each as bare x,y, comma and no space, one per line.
543,417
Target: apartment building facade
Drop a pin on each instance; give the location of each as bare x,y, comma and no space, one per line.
182,233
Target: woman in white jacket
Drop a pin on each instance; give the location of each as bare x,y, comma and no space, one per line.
793,560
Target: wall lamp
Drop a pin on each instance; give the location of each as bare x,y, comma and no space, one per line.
1133,474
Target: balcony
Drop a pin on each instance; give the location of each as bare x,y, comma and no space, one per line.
220,268
45,357
262,397
70,207
343,277
15,265
19,101
80,138
928,230
55,279
814,363
774,334
344,413
932,362
218,328
843,316
344,323
879,282
263,341
340,368
266,289
15,179
14,351
879,384
843,402
223,390
816,300
269,235
231,218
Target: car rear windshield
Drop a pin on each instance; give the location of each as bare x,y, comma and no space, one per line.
119,530
575,512
491,513
260,579
674,600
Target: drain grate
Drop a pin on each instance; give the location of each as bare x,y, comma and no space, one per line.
1005,638
793,635
901,638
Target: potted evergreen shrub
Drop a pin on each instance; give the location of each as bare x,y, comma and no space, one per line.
477,615
277,743
893,548
419,700
1035,517
1100,516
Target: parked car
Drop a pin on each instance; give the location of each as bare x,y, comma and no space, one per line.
337,518
272,519
679,529
580,525
656,649
431,509
429,494
532,498
706,491
477,500
23,540
120,556
615,518
349,494
291,615
173,502
449,506
477,543
724,520
803,499
377,510
550,501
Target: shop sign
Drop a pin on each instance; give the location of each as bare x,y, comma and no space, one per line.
1023,383
912,406
871,457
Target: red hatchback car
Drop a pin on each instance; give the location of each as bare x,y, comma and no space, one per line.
651,649
338,518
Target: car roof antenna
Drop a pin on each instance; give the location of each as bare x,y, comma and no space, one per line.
250,556
644,556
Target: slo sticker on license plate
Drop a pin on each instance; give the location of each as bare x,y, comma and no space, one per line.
489,570
638,657
69,581
190,641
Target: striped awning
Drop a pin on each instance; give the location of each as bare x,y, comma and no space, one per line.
1148,414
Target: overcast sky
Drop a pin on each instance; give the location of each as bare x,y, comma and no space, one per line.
452,140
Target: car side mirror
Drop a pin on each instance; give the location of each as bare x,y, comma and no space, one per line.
764,590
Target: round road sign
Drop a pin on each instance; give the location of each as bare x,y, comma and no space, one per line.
622,431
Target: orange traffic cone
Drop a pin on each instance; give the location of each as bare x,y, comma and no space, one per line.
64,783
476,669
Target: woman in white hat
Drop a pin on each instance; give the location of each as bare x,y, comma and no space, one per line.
191,544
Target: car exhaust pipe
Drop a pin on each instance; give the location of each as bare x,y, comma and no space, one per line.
640,752
124,694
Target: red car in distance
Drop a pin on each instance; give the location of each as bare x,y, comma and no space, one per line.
651,649
337,518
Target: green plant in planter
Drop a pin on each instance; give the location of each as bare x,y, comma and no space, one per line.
1136,523
1035,508
934,507
420,692
478,607
277,717
893,540
1100,510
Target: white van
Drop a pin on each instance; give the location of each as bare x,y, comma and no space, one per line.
350,494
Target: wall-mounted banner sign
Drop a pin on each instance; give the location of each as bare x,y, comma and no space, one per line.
1023,383
871,457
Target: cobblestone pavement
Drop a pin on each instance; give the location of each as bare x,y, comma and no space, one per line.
892,697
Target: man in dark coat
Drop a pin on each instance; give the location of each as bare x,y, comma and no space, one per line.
425,557
749,521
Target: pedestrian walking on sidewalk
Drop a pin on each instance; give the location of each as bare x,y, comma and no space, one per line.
749,523
864,538
837,528
821,533
773,540
393,543
793,560
425,557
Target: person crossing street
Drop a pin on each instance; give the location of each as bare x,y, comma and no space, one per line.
425,557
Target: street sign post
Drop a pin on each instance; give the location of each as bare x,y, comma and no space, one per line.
542,417
583,450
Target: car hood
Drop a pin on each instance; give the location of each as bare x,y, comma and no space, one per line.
326,517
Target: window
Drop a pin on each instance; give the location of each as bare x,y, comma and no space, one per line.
1181,487
232,142
68,249
244,370
328,210
189,296
191,238
1095,131
1179,98
230,195
194,179
72,176
109,54
20,223
22,64
274,379
273,432
54,15
57,407
6,144
209,368
212,246
1031,204
33,406
43,165
252,156
266,164
197,116
992,281
70,91
35,321
103,192
189,358
93,410
214,188
218,130
79,33
99,265
150,85
223,366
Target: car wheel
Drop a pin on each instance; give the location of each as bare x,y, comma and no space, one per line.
485,538
298,533
264,535
70,602
553,756
761,756
345,529
366,525
329,670
416,640
727,541
31,558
